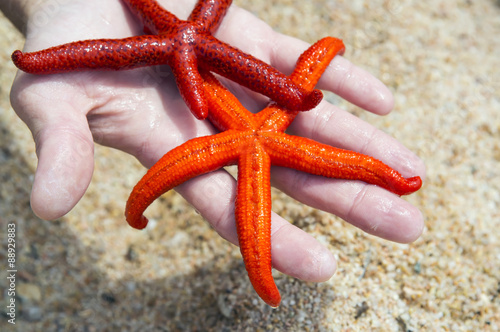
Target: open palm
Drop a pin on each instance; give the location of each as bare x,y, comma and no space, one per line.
141,112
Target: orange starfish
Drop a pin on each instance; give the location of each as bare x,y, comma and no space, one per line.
254,142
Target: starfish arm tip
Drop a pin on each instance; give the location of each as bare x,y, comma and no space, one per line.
406,186
415,183
17,58
269,293
275,300
137,223
313,99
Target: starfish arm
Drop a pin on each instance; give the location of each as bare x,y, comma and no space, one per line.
195,157
153,16
254,74
209,14
308,70
102,54
226,111
184,65
309,156
314,61
253,221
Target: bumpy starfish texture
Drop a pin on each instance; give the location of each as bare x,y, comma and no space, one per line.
255,142
185,46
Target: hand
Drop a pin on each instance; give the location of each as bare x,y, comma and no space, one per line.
141,113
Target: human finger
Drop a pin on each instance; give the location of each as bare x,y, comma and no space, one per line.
350,82
294,252
368,207
331,125
63,142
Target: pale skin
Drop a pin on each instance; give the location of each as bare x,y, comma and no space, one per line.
141,113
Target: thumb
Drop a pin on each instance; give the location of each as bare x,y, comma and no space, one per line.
64,147
64,170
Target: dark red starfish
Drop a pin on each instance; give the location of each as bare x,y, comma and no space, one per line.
185,46
254,142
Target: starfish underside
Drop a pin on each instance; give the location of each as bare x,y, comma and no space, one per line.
185,45
254,142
